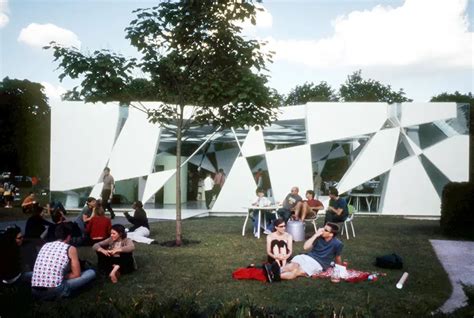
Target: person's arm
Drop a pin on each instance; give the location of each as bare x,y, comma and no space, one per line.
338,260
87,218
99,246
75,266
88,227
309,243
317,207
112,190
127,247
290,246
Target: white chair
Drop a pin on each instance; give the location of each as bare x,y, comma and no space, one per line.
349,219
313,220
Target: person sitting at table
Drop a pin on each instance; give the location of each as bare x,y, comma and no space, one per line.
289,204
337,211
115,254
308,208
262,201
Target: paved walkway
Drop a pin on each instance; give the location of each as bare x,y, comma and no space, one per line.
457,258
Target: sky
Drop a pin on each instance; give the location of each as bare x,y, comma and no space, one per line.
422,46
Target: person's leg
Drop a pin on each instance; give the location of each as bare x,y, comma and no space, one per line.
255,221
126,262
140,235
284,214
104,263
105,201
306,209
299,209
77,283
208,195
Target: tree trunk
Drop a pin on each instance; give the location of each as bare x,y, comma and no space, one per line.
179,125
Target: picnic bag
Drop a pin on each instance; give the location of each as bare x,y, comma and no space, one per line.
392,261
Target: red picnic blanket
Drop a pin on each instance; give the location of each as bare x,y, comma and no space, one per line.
354,276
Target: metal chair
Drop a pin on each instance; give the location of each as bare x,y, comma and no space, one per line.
349,219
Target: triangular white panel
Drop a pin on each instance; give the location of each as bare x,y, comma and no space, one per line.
333,121
409,190
96,190
82,135
421,113
337,153
134,151
239,189
375,158
155,182
290,167
451,156
225,158
254,144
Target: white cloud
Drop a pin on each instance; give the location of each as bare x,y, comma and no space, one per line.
420,32
39,35
4,19
263,20
52,91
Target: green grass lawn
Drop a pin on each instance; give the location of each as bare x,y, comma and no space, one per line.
201,273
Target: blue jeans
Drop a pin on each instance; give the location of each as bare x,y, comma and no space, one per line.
268,215
67,287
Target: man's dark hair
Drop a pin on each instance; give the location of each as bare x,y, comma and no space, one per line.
56,216
334,228
63,230
120,229
139,204
107,169
90,199
333,191
310,192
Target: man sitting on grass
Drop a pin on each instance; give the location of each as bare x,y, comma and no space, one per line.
325,248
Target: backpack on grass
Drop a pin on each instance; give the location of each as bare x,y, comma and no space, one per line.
392,261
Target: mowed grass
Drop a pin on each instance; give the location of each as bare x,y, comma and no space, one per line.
203,272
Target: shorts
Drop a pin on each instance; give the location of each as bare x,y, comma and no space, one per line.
308,264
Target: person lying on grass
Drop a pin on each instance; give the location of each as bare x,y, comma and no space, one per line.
325,248
115,254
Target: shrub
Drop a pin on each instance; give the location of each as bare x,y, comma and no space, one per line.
457,209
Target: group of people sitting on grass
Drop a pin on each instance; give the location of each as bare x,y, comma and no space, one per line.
323,246
46,255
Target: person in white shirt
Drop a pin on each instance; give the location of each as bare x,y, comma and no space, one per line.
262,201
208,189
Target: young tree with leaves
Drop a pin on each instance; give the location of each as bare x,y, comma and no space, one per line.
192,53
24,128
356,89
309,92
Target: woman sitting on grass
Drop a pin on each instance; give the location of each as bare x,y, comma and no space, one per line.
279,244
115,254
99,226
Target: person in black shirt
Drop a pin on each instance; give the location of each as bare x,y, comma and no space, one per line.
140,230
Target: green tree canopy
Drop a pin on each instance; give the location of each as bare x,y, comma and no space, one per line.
191,53
356,89
24,128
309,92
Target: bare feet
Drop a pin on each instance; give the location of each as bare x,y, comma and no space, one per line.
115,274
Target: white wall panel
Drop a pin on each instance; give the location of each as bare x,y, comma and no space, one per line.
422,113
333,121
254,144
290,167
451,156
376,157
239,189
82,136
155,182
292,112
204,163
96,190
133,154
409,190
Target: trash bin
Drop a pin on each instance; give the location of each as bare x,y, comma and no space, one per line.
296,229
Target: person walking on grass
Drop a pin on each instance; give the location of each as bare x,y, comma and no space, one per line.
108,191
